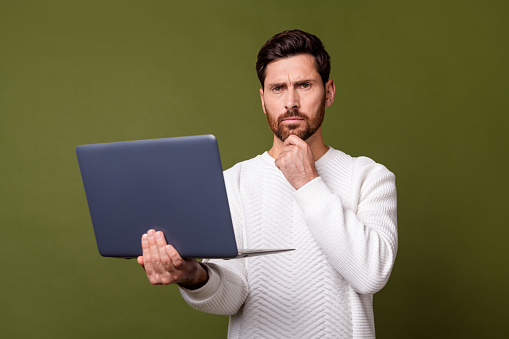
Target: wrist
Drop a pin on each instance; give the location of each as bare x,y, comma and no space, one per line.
310,177
197,277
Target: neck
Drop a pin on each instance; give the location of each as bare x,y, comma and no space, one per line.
315,143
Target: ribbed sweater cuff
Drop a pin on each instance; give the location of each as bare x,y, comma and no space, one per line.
313,194
207,290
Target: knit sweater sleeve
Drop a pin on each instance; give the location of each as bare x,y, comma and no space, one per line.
358,237
226,290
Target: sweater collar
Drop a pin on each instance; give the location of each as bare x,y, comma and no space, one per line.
320,162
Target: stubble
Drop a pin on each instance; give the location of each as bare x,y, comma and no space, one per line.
304,129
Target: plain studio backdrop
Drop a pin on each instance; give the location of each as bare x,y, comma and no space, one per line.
421,88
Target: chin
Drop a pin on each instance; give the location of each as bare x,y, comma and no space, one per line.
304,134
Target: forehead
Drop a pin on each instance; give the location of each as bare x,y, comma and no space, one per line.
299,67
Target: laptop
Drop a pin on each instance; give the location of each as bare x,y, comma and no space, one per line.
173,185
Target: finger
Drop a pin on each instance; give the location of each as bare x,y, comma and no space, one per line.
147,263
279,162
294,140
161,245
155,257
298,148
289,149
285,156
140,261
175,257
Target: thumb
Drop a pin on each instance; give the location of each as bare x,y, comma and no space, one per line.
140,261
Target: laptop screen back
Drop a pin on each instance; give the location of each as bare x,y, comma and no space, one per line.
174,185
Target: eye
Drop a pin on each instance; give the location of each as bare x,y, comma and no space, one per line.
305,85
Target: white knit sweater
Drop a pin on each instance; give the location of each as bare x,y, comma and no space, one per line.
343,227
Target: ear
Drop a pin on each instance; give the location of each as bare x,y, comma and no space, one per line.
330,92
263,102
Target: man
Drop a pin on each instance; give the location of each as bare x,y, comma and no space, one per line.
338,212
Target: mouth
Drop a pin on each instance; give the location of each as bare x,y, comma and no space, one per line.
292,120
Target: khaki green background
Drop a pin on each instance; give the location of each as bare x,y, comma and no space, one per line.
421,87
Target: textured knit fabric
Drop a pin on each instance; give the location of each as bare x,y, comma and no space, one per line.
343,227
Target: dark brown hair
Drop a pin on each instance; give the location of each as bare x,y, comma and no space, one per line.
291,43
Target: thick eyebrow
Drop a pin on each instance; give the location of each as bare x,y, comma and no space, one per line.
276,84
306,81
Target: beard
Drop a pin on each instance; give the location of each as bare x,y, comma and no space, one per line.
304,129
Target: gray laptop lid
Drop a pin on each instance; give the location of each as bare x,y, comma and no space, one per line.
174,185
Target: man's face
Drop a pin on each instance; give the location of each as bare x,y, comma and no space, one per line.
294,97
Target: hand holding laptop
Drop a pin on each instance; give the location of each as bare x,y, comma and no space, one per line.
164,265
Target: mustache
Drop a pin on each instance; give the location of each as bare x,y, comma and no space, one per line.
293,113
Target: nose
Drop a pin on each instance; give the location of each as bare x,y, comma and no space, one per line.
291,99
